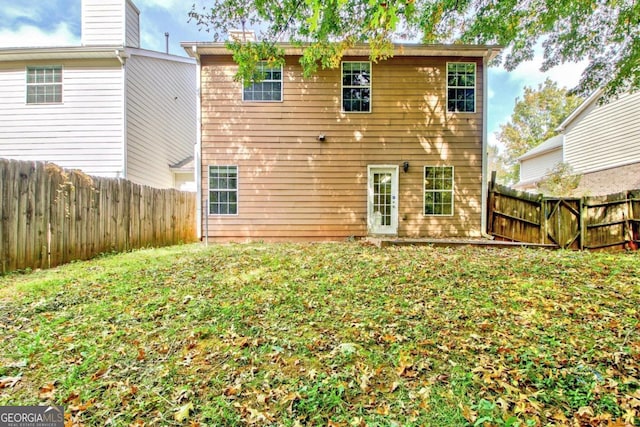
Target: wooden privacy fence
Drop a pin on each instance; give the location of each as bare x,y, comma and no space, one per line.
50,216
611,221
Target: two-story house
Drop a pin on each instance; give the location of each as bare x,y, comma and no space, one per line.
393,148
106,107
601,142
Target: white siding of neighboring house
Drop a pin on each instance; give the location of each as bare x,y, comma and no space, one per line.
185,182
161,115
535,168
604,136
132,37
84,132
103,22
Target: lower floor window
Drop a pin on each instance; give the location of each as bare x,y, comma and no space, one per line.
438,190
223,190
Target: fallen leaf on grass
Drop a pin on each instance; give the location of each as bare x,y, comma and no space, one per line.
9,382
47,391
183,412
98,374
18,364
383,410
468,413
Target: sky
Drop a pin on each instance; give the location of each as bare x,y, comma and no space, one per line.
57,23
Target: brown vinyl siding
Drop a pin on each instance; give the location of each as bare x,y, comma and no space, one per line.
291,186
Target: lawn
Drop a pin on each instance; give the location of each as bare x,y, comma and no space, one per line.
331,334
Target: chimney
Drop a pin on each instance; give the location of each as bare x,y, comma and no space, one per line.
166,43
110,23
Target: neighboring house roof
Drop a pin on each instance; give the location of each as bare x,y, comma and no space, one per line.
185,165
83,52
550,144
474,51
58,53
575,113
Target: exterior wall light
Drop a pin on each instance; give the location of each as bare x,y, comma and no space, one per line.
405,167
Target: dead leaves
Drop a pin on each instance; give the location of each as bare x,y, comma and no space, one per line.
337,335
47,392
183,412
8,382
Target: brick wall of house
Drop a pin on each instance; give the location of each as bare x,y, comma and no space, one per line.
608,181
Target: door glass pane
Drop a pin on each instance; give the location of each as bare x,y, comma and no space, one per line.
382,197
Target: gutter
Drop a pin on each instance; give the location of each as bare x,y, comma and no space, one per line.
485,147
122,57
197,163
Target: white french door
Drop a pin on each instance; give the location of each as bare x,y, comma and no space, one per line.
382,204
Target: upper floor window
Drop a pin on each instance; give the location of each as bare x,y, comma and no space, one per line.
461,87
44,85
356,87
269,89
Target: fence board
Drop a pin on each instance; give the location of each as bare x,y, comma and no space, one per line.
3,205
607,220
634,217
49,216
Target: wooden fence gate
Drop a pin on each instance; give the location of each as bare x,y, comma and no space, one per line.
562,224
611,221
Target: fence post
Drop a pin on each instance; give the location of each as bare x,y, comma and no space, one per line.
634,217
491,204
544,220
584,219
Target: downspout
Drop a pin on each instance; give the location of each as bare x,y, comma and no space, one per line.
198,147
485,147
122,57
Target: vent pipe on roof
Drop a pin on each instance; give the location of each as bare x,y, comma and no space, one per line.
166,43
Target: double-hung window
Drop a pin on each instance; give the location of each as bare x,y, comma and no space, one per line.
438,190
461,87
267,90
356,87
44,85
223,190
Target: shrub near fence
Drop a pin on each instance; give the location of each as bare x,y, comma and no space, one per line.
611,221
50,216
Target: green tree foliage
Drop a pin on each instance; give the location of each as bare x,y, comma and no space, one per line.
605,32
561,181
534,120
497,162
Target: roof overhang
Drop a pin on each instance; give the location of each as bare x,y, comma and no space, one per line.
488,52
184,166
61,53
554,143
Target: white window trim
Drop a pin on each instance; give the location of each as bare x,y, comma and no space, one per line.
475,88
26,85
268,100
209,189
453,191
370,88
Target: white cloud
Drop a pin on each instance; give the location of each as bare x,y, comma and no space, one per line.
152,38
31,36
565,75
162,4
12,12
